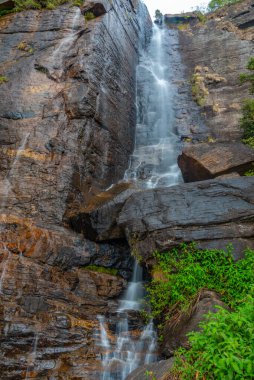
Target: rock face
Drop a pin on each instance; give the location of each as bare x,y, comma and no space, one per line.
206,161
220,47
67,118
213,213
176,330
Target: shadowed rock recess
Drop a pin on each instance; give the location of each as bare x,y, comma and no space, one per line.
67,124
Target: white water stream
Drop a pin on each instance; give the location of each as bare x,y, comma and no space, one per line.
154,160
153,164
131,348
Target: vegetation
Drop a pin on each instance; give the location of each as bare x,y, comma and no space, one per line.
223,350
89,16
158,16
215,4
182,273
250,173
249,77
96,268
21,5
198,89
3,79
247,120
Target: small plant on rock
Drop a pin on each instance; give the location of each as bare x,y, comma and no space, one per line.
3,79
89,16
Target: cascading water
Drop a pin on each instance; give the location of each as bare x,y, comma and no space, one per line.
130,350
153,164
154,160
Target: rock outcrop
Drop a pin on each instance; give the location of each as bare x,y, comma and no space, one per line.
156,370
213,213
67,120
205,161
176,329
219,46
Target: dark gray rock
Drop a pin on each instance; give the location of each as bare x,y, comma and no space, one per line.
208,211
212,213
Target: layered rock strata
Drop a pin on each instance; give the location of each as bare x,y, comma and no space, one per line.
67,119
212,213
215,50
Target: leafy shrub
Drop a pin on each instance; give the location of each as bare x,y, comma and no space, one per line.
188,269
247,120
223,350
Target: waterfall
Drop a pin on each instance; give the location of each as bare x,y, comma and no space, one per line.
7,186
153,163
56,68
154,160
130,349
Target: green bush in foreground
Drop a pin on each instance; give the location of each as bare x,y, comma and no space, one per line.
223,350
183,272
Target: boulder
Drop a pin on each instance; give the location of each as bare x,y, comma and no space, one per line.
176,329
217,211
205,161
212,213
156,370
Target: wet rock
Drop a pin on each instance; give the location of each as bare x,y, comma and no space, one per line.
67,119
163,218
156,370
205,161
176,329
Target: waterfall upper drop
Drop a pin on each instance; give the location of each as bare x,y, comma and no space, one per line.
154,160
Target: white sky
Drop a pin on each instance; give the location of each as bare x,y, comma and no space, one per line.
173,6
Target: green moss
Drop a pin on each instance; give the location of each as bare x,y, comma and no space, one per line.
250,173
21,5
4,12
100,269
202,17
198,89
3,79
89,16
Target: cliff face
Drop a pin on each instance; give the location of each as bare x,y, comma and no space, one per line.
218,51
67,119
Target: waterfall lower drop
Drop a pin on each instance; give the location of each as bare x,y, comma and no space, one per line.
154,160
129,350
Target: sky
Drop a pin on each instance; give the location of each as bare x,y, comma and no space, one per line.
173,6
